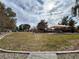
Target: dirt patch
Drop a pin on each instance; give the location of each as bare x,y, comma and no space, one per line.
74,44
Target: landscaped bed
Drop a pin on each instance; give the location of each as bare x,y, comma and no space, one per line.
40,41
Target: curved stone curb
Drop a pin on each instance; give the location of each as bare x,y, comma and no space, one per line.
39,55
57,52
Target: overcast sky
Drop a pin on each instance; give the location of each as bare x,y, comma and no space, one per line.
32,11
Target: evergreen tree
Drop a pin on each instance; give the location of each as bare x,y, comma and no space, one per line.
64,21
24,27
7,18
42,25
72,24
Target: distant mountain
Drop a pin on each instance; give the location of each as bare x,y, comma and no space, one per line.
32,11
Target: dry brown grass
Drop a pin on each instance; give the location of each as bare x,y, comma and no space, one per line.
37,41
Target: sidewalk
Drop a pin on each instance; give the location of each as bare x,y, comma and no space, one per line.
42,56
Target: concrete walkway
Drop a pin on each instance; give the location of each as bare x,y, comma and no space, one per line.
42,56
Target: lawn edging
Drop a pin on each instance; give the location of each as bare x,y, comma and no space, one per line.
25,54
57,52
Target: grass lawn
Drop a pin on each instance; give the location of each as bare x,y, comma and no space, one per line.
40,41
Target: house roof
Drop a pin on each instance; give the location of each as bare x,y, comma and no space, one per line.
59,26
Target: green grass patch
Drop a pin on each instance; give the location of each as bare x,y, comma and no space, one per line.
26,41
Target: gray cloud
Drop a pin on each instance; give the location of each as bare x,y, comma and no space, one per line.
32,11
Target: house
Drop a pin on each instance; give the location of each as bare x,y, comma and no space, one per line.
61,28
58,28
